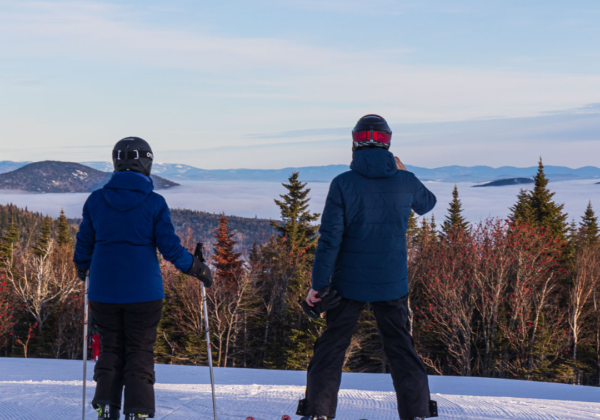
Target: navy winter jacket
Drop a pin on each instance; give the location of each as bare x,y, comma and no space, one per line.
123,225
362,243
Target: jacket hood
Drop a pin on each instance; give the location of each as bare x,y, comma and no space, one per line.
127,190
374,163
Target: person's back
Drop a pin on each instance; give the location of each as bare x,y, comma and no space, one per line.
361,257
130,222
376,200
123,225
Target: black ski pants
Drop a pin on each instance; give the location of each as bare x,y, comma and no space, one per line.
408,372
127,333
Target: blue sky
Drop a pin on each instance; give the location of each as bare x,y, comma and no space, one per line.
267,84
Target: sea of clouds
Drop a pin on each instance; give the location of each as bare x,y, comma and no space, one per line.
255,199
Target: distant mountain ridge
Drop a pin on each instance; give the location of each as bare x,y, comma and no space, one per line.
62,177
475,174
8,165
505,182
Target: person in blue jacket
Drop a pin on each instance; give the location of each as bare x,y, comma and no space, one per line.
123,225
361,256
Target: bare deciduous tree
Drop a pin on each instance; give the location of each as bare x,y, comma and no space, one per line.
584,282
42,282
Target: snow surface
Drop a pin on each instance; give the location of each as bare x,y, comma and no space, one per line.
34,389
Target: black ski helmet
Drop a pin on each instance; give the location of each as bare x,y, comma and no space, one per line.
133,154
370,132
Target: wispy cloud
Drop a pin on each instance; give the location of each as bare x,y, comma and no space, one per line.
296,71
208,79
98,31
373,7
592,108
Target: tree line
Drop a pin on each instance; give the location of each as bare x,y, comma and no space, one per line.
515,298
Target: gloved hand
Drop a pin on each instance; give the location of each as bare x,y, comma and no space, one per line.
81,273
201,271
329,300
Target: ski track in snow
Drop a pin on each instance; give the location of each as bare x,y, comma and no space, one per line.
54,400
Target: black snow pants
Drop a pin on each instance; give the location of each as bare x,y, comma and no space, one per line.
127,333
408,372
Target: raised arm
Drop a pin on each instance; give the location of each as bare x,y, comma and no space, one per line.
424,200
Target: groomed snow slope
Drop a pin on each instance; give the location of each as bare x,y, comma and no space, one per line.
35,389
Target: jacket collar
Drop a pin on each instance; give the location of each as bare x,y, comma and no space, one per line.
374,163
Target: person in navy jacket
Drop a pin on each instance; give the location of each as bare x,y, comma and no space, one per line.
123,225
361,254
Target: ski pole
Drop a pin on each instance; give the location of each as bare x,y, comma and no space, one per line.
198,253
85,340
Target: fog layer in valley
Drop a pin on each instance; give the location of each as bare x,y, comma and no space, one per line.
250,199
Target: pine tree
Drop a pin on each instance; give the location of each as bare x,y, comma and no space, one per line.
412,229
64,236
573,240
455,221
297,220
228,263
427,230
537,208
41,246
589,225
8,241
546,212
254,255
522,212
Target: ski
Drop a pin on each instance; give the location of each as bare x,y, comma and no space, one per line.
285,417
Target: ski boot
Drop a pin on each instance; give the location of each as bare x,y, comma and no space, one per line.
433,411
314,418
106,411
132,416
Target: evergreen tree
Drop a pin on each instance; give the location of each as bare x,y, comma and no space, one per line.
41,245
522,211
297,220
546,212
538,209
455,221
427,230
228,263
254,255
412,229
589,225
64,236
573,241
433,226
8,241
292,349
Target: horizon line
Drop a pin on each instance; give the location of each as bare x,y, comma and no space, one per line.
301,167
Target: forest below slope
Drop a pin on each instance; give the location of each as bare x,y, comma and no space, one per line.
512,298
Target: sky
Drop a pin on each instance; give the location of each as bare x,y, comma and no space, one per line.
278,83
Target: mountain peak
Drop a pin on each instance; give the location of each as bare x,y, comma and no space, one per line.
61,177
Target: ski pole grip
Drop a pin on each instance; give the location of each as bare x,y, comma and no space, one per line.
198,253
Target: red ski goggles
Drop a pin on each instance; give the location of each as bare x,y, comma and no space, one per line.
378,136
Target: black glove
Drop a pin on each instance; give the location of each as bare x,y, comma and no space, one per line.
201,271
81,273
329,300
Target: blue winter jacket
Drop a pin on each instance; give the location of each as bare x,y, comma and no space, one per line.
123,225
362,243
